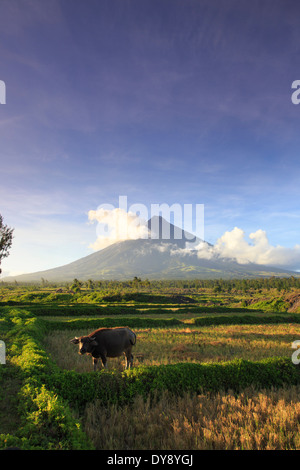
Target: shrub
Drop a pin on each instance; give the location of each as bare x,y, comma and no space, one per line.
49,421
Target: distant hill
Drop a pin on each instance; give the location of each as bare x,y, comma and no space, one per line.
153,258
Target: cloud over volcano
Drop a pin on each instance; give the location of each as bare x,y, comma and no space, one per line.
233,244
116,225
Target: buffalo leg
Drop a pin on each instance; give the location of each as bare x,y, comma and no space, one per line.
128,361
131,361
95,361
104,361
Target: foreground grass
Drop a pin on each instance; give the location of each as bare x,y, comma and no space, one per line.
50,400
252,420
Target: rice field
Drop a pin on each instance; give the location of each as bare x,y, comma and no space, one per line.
253,420
157,346
133,411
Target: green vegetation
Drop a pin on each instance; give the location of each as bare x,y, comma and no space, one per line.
193,341
6,236
45,420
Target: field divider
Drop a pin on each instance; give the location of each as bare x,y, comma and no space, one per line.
82,309
142,322
121,387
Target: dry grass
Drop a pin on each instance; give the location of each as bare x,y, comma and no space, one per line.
192,344
253,420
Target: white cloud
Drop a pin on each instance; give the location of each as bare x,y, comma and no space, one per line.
162,248
116,225
234,245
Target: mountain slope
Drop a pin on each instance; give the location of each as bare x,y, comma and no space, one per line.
157,258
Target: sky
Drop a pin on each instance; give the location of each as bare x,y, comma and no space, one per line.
161,101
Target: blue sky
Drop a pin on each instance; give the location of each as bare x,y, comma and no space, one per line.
164,101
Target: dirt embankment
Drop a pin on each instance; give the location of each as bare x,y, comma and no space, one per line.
294,302
288,302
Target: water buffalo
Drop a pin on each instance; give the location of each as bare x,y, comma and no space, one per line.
107,342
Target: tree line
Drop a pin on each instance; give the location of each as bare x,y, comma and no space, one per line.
146,285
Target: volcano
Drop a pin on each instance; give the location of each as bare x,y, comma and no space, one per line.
164,255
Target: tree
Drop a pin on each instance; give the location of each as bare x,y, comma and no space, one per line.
76,286
136,282
90,284
6,236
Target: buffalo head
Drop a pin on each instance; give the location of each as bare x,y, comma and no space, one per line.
86,344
